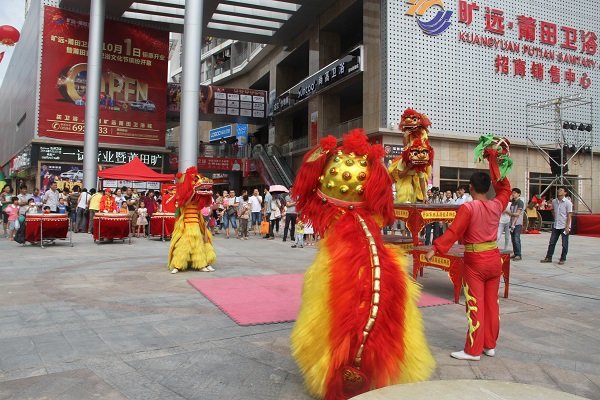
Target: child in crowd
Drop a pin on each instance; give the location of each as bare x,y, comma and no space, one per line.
309,232
12,210
142,220
47,210
31,207
299,235
62,206
244,211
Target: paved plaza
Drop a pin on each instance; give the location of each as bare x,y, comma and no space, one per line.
108,321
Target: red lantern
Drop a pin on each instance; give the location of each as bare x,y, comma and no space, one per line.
9,35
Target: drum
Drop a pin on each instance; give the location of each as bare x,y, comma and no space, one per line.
44,227
111,226
162,224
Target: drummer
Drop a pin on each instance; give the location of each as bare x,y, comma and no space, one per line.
107,202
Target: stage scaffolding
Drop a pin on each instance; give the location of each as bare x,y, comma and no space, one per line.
561,130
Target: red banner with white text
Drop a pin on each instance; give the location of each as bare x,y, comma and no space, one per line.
133,88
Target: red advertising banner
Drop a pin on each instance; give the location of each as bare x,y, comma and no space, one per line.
133,88
210,163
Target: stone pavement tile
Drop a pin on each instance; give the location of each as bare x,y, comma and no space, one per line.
136,386
492,368
54,347
131,338
592,368
86,342
530,373
70,385
12,374
208,375
89,313
571,381
18,353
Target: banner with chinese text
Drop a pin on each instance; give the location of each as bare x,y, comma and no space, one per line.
133,88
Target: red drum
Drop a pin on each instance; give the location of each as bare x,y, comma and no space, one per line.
162,224
111,226
40,227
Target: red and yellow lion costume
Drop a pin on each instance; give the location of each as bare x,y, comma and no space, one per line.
412,169
359,327
191,242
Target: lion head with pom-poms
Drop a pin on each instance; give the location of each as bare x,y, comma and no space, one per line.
193,187
350,178
412,120
418,156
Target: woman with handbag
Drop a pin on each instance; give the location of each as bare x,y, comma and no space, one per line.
230,214
274,217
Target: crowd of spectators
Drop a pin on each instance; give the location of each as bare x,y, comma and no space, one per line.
79,204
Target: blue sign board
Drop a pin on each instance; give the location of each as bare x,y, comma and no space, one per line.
220,133
241,133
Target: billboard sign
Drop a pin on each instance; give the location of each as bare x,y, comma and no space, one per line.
133,87
70,154
220,133
222,103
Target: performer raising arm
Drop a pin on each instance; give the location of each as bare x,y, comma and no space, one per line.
476,223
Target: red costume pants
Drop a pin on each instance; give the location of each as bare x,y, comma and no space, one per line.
481,280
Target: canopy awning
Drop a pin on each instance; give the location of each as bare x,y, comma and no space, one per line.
135,170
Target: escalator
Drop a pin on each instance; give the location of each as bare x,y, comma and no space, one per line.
271,166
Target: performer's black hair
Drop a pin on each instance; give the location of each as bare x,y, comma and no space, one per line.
481,182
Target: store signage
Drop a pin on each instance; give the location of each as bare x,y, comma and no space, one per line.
133,86
241,133
105,156
561,55
346,66
225,101
210,163
220,133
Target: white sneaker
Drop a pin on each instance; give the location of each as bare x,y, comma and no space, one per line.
489,352
461,355
210,268
174,271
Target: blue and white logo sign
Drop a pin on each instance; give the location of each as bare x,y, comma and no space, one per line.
220,133
241,133
440,21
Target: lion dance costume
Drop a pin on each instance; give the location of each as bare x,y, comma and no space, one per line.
191,242
412,169
359,327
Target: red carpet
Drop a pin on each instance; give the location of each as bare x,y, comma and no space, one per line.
270,299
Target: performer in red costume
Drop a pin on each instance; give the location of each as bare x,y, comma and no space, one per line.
476,223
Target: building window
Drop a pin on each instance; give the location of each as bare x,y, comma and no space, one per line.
451,178
538,182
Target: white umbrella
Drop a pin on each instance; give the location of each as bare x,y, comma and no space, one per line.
274,189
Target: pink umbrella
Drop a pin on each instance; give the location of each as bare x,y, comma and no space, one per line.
275,189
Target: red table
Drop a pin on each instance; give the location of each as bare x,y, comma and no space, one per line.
47,227
453,263
162,224
417,215
111,226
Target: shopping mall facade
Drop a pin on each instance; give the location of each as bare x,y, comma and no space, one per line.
516,69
